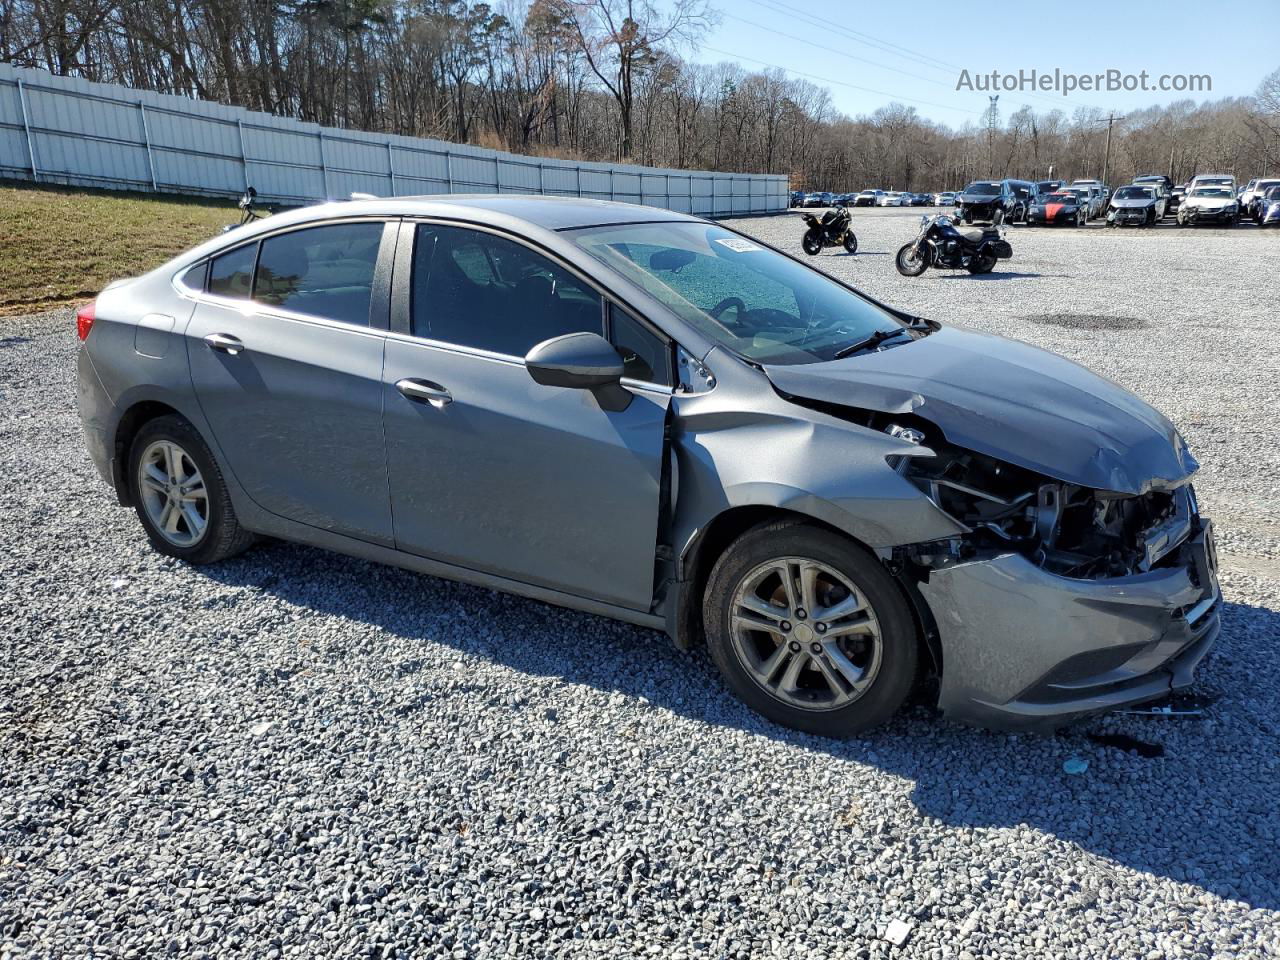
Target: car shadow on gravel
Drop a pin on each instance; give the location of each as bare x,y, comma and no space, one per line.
1204,813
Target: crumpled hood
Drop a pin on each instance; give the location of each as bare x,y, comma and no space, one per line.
1011,401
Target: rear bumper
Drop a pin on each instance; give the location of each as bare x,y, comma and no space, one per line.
97,415
1025,649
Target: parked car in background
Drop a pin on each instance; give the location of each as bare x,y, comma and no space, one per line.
1084,197
895,198
1175,199
797,198
946,198
1140,205
568,400
1253,192
1209,203
869,198
1267,208
1026,193
1214,180
1155,178
1102,191
1061,207
987,200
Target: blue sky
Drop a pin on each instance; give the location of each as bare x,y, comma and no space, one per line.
914,52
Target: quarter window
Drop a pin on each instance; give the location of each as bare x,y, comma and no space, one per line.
231,274
475,289
645,355
321,271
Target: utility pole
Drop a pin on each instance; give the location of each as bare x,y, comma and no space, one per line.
1106,162
993,117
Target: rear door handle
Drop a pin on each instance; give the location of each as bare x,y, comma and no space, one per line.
224,343
424,391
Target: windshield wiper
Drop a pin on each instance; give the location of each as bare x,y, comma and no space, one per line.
877,338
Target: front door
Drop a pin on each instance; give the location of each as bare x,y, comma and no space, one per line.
494,472
288,372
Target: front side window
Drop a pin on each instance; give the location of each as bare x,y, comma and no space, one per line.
645,355
755,301
476,289
320,271
231,273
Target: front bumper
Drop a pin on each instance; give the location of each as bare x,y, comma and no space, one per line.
1201,215
1025,649
1138,216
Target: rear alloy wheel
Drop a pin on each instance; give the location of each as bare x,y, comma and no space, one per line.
809,629
179,494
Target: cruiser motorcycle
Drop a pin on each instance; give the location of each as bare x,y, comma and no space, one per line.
942,243
833,229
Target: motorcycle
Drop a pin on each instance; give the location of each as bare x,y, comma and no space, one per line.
832,230
943,243
248,210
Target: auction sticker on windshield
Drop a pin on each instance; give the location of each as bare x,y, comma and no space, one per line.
737,244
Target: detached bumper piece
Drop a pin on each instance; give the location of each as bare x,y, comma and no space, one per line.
1026,649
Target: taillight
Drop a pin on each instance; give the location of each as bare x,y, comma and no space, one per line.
84,320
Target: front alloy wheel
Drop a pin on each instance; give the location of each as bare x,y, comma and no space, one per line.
809,629
805,634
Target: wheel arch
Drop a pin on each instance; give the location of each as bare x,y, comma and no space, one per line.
135,417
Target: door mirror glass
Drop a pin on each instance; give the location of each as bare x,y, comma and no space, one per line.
582,361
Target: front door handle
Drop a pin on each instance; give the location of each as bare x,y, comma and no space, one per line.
224,343
424,391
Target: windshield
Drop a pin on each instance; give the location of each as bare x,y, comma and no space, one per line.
1273,193
1211,192
755,301
1135,193
983,189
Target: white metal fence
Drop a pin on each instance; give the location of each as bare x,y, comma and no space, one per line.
71,131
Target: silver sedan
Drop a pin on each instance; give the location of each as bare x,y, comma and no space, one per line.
652,417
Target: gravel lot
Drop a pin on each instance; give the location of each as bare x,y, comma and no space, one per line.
298,754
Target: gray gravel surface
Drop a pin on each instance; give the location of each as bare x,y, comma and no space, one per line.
297,754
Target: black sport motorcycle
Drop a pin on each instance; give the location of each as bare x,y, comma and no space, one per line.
943,243
832,230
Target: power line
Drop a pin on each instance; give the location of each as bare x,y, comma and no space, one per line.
906,53
828,80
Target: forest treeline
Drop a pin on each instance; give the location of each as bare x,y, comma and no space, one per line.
602,80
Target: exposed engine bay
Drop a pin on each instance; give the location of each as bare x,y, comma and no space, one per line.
1067,530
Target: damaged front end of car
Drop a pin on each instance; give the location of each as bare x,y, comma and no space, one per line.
1058,600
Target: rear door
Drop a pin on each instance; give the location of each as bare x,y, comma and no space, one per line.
286,349
494,472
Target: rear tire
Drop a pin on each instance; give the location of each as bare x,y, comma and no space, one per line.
982,265
811,243
180,496
787,662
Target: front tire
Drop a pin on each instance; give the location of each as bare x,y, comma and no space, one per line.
180,496
812,243
907,263
850,242
809,629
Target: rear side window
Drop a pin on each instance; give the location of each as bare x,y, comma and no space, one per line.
231,274
475,289
320,271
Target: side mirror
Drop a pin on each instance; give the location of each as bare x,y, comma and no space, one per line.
581,361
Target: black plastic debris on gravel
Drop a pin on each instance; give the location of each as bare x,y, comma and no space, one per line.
1127,743
1087,321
